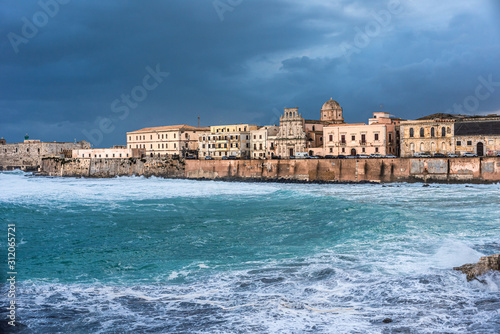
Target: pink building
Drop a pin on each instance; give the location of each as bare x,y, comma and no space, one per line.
379,136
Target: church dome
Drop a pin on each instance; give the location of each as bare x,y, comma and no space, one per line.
330,104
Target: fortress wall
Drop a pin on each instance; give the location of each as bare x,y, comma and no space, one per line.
478,170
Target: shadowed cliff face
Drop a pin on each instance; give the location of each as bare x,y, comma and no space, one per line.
485,264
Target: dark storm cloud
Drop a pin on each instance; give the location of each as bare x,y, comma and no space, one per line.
262,56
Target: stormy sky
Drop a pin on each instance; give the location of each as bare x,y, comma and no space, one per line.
93,70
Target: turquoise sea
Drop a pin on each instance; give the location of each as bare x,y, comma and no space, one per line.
151,255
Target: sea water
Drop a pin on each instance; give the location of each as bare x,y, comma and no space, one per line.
151,255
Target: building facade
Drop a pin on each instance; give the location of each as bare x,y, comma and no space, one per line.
163,141
297,134
115,152
379,136
291,137
427,136
262,141
225,141
479,136
28,154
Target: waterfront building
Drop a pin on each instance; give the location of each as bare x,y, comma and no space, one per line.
28,155
262,141
225,141
115,152
451,134
297,134
379,136
430,134
291,137
163,141
478,135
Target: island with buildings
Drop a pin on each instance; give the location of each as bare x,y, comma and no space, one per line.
438,147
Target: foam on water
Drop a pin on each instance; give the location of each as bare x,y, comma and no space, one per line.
133,254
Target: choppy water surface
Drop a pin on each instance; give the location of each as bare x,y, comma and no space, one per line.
138,255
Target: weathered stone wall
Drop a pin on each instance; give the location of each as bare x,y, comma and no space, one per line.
28,155
351,170
112,167
475,170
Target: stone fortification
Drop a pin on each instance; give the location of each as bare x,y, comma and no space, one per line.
112,167
452,170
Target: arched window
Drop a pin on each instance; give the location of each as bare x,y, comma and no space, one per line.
412,148
422,147
411,133
443,145
421,132
433,132
443,132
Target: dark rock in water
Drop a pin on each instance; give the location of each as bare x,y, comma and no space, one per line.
485,264
387,320
426,185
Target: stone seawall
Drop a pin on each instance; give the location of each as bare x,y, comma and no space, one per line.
112,167
453,170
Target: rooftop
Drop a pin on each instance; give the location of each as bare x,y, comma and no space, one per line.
181,127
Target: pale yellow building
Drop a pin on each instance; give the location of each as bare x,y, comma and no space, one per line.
262,141
226,141
430,136
179,140
379,136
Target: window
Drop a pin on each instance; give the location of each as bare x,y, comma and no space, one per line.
150,137
342,139
260,146
376,137
443,131
411,133
363,150
260,136
363,138
254,137
353,138
203,145
330,137
225,145
469,143
343,149
390,137
376,149
433,132
331,150
422,132
459,143
254,146
175,134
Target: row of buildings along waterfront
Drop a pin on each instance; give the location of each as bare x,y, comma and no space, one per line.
330,135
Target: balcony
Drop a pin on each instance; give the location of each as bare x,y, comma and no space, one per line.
362,142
